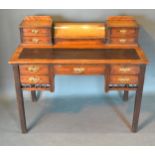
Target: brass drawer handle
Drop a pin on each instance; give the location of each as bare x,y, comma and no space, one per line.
122,40
125,69
78,70
33,68
124,79
123,31
35,40
35,31
33,79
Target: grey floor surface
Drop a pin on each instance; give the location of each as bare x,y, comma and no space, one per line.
91,120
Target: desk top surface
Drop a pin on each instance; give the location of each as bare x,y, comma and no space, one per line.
76,56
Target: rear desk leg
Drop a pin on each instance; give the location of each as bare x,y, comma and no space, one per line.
33,96
20,100
125,96
138,99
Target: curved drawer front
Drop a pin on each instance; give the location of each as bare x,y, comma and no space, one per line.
125,69
114,79
34,79
79,69
33,69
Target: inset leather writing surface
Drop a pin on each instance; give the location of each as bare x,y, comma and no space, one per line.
93,54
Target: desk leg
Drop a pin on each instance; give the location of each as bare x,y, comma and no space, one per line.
138,99
125,96
33,96
20,100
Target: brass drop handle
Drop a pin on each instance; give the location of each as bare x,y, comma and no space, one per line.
122,40
125,69
33,69
33,79
78,70
123,31
124,79
35,31
35,40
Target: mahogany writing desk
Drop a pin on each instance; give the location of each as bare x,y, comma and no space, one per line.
36,61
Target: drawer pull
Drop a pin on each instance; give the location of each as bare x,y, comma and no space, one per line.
35,31
33,79
122,40
124,79
123,31
78,70
35,40
33,69
125,69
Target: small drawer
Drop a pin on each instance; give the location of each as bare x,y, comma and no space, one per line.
79,69
126,79
33,69
36,40
36,32
119,32
125,69
34,79
123,40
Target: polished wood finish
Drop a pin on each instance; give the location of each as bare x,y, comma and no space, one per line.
75,31
33,69
36,30
125,79
125,69
36,40
79,69
121,32
50,48
39,32
34,79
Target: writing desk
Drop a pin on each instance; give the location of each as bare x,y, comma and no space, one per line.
122,65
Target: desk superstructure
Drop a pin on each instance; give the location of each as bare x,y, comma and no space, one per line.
50,48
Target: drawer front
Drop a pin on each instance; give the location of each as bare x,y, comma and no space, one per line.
79,69
119,32
123,40
125,69
36,32
33,69
127,79
34,79
36,40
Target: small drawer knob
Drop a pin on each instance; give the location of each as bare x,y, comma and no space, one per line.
35,31
78,70
33,79
33,69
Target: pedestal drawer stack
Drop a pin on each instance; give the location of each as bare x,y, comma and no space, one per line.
36,30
